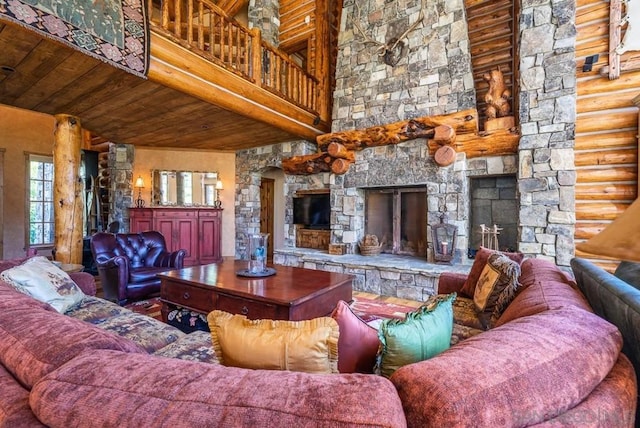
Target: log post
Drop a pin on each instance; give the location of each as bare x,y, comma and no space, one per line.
67,189
256,55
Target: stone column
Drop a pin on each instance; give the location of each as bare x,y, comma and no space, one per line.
265,15
546,172
121,197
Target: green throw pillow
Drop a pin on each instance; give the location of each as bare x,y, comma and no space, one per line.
423,334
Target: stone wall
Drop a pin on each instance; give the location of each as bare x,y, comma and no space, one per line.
434,77
121,157
546,173
250,166
265,14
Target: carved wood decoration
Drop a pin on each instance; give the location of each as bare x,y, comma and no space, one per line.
458,131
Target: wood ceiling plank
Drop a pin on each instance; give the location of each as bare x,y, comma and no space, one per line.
136,95
64,100
119,124
63,76
39,62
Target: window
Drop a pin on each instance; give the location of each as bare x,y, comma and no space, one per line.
41,220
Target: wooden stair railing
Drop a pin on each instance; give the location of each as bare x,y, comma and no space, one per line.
205,29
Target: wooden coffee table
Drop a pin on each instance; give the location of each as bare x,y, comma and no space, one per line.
291,294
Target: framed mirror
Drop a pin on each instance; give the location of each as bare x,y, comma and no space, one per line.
183,188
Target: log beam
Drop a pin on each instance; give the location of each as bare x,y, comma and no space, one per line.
315,163
67,189
442,128
393,133
496,143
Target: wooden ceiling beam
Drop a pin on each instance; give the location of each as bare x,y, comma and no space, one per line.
232,7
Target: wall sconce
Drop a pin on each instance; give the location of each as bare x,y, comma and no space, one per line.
218,202
139,185
445,236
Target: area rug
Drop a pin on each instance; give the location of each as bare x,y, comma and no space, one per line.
367,309
114,31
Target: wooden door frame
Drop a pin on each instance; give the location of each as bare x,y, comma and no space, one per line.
267,223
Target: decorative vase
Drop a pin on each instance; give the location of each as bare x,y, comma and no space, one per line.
258,252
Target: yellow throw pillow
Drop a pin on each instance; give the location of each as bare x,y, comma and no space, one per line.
305,346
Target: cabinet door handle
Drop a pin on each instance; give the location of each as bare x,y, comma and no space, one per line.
186,296
244,310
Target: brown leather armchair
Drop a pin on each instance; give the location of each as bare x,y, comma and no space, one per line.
128,263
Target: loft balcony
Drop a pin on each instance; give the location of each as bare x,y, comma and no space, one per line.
212,84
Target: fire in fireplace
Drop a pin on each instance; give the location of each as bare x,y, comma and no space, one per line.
398,217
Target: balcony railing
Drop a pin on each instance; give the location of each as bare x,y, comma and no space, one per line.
205,29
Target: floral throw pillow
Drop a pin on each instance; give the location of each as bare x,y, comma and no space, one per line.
44,281
496,288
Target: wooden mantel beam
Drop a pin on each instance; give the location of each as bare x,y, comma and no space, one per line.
442,128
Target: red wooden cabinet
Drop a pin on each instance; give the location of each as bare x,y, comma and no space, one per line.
197,230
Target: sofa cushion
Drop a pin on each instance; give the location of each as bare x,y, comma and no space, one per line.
532,270
610,404
11,298
469,287
14,403
168,392
629,272
518,374
147,332
95,310
307,346
496,288
423,334
358,342
541,296
34,342
145,273
194,346
44,281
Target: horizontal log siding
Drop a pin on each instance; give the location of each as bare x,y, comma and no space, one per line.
606,149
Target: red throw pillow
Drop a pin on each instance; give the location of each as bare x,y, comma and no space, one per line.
358,342
469,287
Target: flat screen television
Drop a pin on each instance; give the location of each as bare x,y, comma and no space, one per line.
313,211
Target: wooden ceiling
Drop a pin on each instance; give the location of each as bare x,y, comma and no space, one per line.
41,75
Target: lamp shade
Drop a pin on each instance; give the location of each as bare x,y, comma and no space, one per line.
620,240
139,183
219,185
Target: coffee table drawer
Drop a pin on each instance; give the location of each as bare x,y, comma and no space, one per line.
250,308
191,297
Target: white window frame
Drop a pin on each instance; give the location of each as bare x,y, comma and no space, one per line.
42,243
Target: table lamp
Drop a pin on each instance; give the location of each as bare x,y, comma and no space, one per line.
139,185
218,202
620,240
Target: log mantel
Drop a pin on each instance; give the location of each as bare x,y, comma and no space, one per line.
458,130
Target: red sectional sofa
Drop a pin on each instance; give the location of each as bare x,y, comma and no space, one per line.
549,362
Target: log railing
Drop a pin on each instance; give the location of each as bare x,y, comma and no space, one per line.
205,29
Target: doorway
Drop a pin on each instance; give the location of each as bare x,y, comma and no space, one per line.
267,192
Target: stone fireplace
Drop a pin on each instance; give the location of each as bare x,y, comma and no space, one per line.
434,78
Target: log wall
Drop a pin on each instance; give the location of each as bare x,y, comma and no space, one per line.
606,146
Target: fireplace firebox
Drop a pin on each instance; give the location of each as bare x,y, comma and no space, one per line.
398,217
